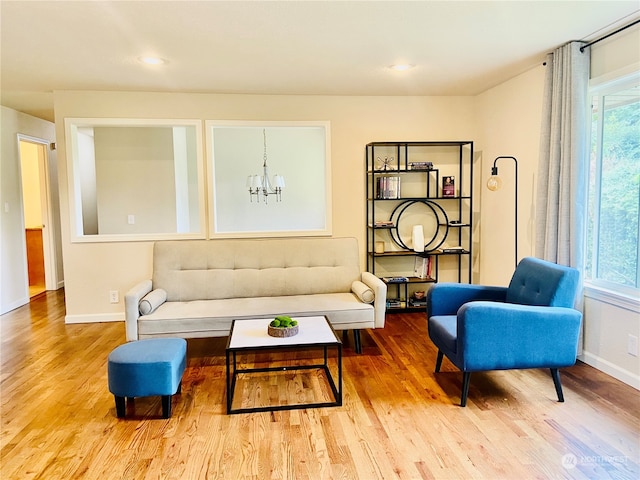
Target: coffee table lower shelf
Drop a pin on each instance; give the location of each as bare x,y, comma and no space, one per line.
231,386
233,371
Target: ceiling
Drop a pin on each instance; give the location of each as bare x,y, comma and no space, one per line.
284,47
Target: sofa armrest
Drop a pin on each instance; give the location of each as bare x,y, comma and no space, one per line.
380,291
446,298
131,313
495,336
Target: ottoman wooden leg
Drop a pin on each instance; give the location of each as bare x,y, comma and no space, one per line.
166,406
120,406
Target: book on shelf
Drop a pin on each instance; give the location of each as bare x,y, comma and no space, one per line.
420,165
414,302
395,303
454,250
382,224
397,279
387,187
448,186
422,267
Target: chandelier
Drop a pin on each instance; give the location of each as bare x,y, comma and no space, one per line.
261,184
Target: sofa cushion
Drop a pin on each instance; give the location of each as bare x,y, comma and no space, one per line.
249,268
363,292
151,301
208,318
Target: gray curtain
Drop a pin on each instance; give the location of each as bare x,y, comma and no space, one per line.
564,158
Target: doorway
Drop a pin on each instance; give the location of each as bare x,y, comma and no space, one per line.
35,207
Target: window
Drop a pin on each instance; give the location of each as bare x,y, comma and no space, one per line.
613,225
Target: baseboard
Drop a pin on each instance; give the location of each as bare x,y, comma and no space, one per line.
13,305
611,369
95,318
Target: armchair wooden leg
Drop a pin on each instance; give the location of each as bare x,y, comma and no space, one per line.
556,381
439,361
466,379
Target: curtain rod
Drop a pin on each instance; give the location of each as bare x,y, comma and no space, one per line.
609,35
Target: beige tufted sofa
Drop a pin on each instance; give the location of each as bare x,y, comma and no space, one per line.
200,286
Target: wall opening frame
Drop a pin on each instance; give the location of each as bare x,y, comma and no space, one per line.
300,151
135,179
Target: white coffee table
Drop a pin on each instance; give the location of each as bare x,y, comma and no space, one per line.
251,335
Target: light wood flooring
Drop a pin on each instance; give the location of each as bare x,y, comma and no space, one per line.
399,420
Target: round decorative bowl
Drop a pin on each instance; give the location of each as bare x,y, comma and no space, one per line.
282,332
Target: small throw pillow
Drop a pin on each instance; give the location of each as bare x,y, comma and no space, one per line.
364,293
151,301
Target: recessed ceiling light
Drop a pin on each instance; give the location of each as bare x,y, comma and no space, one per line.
401,67
152,60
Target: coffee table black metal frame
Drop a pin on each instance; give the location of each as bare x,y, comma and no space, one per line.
233,371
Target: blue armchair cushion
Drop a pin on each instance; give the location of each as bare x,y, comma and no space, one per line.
445,329
537,282
499,336
446,298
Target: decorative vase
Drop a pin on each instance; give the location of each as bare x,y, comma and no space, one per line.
417,236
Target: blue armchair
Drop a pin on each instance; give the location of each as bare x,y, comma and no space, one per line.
529,324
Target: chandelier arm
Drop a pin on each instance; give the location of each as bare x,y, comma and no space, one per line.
264,185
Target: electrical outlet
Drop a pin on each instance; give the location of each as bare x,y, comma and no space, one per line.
131,219
632,345
113,296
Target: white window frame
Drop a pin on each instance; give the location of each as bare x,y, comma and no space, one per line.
609,292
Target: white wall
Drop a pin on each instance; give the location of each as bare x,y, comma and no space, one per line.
14,290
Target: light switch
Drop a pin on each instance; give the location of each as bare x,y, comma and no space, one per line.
131,219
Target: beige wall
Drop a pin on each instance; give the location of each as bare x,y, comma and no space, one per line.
32,203
355,121
509,117
617,54
120,172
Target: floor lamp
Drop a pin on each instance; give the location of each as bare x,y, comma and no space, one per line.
495,182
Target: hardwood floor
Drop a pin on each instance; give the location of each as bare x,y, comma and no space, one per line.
399,420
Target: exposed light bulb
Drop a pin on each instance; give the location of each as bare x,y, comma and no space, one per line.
494,183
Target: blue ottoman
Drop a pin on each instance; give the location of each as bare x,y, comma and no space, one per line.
147,368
